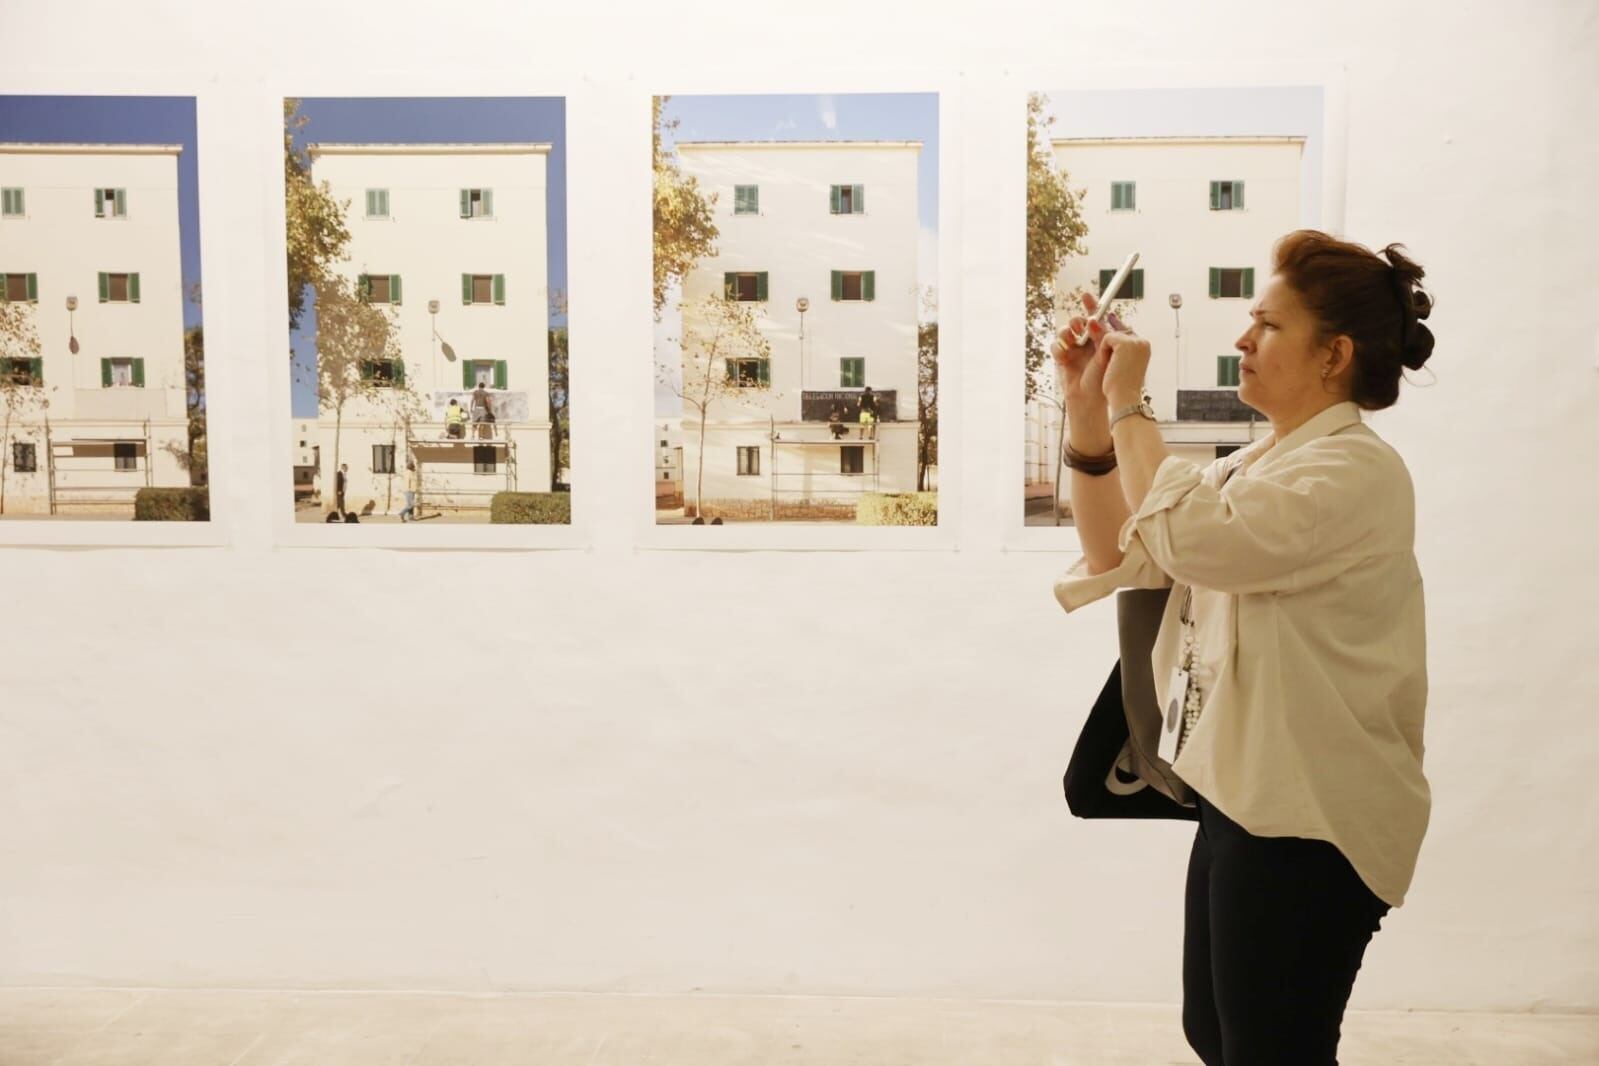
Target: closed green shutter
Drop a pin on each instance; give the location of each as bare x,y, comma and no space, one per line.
1215,196
838,284
105,373
1249,282
363,288
99,203
501,373
133,287
732,370
860,200
760,285
499,289
4,299
730,285
738,199
33,287
467,380
869,285
835,198
138,373
1115,200
105,286
466,203
488,203
37,368
466,288
1104,280
1215,282
394,288
399,372
1136,284
122,203
1238,195
766,371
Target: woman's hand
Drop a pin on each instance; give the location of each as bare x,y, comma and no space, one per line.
1081,367
1127,358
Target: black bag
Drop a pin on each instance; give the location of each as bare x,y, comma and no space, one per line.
1114,771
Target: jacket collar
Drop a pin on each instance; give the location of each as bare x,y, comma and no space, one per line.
1268,449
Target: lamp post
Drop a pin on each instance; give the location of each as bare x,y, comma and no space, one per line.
72,332
1176,301
802,305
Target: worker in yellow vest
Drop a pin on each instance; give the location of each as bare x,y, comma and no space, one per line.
455,420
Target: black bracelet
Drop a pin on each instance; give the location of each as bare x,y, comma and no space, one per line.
1092,465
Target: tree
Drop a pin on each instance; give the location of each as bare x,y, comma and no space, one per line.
314,220
19,392
717,332
684,231
560,410
194,460
1055,231
926,401
351,336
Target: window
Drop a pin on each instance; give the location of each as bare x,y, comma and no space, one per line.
382,458
122,373
382,373
380,288
119,288
126,454
1226,196
483,289
852,459
490,373
24,457
749,373
11,204
1232,283
749,461
1227,370
1132,285
302,444
663,444
19,288
746,199
851,373
477,203
483,459
110,203
1123,196
745,286
377,203
854,284
23,373
848,199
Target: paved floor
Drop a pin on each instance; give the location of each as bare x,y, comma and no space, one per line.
121,1027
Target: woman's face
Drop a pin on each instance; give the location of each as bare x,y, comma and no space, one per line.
1280,373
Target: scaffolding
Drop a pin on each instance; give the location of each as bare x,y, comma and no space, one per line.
59,493
477,435
804,445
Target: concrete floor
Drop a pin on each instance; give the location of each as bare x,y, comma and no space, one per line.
101,1027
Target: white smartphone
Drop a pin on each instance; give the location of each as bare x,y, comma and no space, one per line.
1104,303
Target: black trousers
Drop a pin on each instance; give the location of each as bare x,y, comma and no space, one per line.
1274,931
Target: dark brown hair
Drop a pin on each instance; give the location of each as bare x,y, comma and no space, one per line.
1374,298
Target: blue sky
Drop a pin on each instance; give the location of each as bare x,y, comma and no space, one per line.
122,120
1294,110
428,120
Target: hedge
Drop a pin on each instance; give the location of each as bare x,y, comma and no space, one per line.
898,509
537,508
172,505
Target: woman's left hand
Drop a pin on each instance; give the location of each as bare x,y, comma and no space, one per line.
1128,356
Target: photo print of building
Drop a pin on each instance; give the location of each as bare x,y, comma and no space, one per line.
1201,183
795,295
427,278
102,376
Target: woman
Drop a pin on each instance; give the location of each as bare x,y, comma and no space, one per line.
1303,637
413,486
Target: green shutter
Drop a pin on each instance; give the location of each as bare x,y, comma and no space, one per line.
1104,280
499,289
1215,282
730,285
394,288
738,199
466,203
760,285
1115,197
755,199
869,285
860,199
766,372
1137,285
99,203
371,202
121,203
835,198
838,284
466,288
363,288
4,299
1215,196
105,286
133,287
399,371
501,373
105,373
33,288
37,367
1238,195
732,370
467,381
1249,283
138,373
488,203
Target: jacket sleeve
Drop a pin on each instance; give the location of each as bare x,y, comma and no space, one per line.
1078,588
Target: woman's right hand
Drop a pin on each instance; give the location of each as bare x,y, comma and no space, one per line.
1081,367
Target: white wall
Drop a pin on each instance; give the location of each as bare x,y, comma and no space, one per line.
651,797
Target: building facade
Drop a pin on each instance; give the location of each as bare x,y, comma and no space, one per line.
90,254
450,241
820,240
1203,214
305,449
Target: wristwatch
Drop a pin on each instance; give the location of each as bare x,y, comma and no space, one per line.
1140,408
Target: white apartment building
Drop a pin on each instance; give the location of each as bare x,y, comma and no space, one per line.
305,447
89,244
821,239
1203,214
451,240
668,458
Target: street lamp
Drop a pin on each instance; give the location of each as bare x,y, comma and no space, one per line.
72,332
1176,301
802,305
433,312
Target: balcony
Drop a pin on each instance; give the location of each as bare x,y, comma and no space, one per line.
817,405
